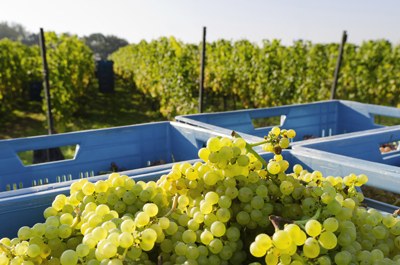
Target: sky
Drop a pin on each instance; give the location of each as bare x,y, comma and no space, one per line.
319,21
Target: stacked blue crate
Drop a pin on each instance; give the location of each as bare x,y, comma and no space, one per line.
27,209
311,120
132,148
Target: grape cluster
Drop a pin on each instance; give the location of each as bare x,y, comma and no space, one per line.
232,208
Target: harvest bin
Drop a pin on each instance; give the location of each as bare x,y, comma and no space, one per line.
364,150
97,151
27,209
312,120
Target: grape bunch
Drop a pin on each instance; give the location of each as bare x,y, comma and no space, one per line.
232,208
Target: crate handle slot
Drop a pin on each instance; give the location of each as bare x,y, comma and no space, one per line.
389,147
386,120
47,155
270,121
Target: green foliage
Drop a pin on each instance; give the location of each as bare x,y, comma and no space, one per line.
165,70
18,66
254,76
72,76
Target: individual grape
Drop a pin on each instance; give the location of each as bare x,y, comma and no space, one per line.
243,218
313,228
189,236
257,250
264,240
311,248
142,219
215,246
218,229
69,257
327,240
150,209
82,250
206,237
214,144
149,235
273,167
286,187
281,239
284,143
291,133
343,258
33,250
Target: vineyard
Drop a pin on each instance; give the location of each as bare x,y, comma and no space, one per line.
239,74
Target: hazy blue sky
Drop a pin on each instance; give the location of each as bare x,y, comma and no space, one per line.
288,20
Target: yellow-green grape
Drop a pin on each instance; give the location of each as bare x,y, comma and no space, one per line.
268,147
151,209
69,257
297,169
361,180
291,133
214,144
327,240
284,142
273,167
281,239
257,250
276,131
239,142
311,248
313,228
264,240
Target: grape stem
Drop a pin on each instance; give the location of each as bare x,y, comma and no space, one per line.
174,204
315,216
279,222
249,148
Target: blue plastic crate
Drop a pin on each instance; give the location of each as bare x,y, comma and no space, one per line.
362,151
129,147
27,208
312,120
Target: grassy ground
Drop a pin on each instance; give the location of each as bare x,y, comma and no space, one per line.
105,110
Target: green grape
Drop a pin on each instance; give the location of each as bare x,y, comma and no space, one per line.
33,250
243,160
291,133
69,257
82,250
211,197
218,229
281,239
286,187
331,224
215,246
214,144
343,258
142,219
311,248
327,240
257,250
181,248
271,258
150,209
273,167
313,228
189,236
284,143
223,215
243,218
206,237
